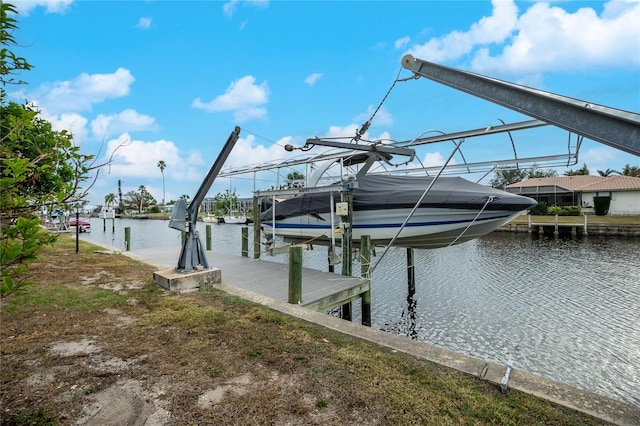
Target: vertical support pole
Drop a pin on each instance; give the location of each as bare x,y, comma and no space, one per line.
347,196
332,237
113,224
256,228
208,236
77,231
295,275
555,231
585,225
245,241
365,262
529,220
104,224
411,271
127,238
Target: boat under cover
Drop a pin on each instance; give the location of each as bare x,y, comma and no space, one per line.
454,210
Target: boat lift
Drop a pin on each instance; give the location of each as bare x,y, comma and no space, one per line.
613,127
184,218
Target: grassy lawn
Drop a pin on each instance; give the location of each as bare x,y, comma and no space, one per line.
95,331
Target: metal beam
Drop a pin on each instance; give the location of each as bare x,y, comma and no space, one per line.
613,127
385,149
489,130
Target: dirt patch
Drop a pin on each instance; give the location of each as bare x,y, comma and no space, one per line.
89,345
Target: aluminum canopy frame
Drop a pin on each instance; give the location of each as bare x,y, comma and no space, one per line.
613,127
184,218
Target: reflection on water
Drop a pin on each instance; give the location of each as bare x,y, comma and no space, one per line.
565,309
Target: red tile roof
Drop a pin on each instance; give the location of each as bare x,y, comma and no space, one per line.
584,183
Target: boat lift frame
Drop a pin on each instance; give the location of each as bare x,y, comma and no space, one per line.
613,127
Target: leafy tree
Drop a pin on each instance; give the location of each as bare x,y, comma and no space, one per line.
505,177
138,200
583,171
162,165
39,168
293,180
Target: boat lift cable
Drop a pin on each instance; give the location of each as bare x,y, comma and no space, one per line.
413,210
491,198
360,132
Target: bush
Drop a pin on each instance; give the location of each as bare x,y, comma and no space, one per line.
554,210
564,211
601,205
539,209
573,210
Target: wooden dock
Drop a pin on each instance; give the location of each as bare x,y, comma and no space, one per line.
321,291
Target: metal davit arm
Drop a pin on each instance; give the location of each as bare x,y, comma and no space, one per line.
613,127
185,218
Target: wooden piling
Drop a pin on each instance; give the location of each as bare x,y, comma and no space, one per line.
295,275
127,238
208,236
365,262
347,196
245,241
256,228
411,271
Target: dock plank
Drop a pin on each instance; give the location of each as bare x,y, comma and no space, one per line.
263,277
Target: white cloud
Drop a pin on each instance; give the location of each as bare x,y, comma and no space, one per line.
51,6
401,43
551,39
144,23
82,92
488,30
312,78
382,118
230,8
139,159
543,38
74,123
243,97
128,120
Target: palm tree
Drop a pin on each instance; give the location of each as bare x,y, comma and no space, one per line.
583,171
109,199
142,190
162,165
608,172
629,170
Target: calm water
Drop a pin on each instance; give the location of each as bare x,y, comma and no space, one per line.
565,309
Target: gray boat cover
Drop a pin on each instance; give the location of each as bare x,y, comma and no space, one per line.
380,192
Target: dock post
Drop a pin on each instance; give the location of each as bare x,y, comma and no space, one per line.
245,241
556,232
365,263
529,221
295,275
208,236
411,271
127,238
104,224
347,196
585,225
256,228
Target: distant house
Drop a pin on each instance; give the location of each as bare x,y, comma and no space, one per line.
580,190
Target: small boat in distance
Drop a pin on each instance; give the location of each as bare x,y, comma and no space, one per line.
83,224
454,211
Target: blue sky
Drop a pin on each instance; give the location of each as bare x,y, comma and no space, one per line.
171,79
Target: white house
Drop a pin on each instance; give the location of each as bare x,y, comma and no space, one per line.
580,190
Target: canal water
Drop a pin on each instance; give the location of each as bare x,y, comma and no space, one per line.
564,309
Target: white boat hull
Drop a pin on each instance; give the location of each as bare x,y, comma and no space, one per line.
428,228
